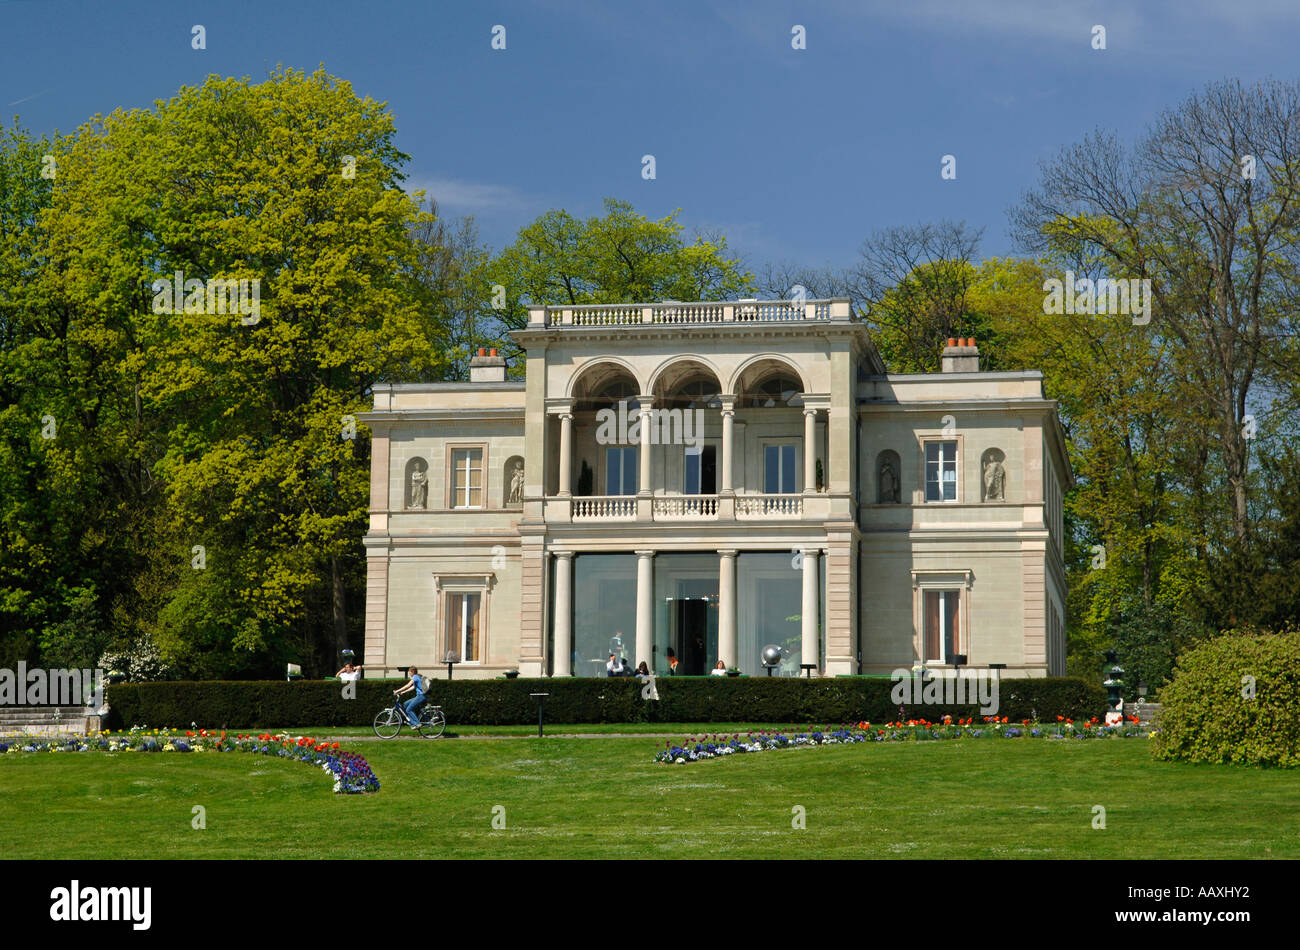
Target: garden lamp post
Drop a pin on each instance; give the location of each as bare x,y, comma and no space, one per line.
451,660
541,702
1114,683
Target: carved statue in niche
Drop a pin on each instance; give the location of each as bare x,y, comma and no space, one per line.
516,493
995,480
419,487
888,482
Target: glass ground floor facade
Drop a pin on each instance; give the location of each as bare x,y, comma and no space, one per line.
695,607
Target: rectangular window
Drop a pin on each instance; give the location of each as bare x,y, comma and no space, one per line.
702,471
941,471
463,626
620,470
778,469
942,625
467,478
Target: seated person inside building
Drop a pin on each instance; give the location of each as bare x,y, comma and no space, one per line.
615,666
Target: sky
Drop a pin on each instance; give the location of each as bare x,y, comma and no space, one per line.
796,155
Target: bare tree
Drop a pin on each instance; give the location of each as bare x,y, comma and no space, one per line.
912,283
778,281
452,263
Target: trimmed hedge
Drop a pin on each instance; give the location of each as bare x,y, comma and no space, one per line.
275,704
1234,699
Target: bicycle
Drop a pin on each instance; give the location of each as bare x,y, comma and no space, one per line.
389,721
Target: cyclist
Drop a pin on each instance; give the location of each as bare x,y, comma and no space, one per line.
416,684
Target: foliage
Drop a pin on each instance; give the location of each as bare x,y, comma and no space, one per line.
1149,637
202,486
138,662
274,704
618,257
1233,699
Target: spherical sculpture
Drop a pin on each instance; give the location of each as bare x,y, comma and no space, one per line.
771,655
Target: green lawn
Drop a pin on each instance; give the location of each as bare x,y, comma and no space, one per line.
606,798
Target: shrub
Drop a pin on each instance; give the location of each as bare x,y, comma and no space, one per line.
1234,699
249,704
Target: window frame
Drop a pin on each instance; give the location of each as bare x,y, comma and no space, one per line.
962,583
623,451
705,446
447,586
924,442
452,449
778,443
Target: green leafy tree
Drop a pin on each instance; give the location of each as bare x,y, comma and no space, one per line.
619,257
228,431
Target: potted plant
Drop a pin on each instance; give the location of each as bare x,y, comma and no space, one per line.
821,479
733,671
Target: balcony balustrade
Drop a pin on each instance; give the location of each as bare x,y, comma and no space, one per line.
669,508
604,508
685,507
769,506
698,312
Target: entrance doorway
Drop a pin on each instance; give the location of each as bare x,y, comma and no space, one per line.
689,635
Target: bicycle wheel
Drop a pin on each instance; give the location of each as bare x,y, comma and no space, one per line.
432,722
388,723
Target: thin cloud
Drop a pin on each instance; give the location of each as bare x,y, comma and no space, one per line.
469,197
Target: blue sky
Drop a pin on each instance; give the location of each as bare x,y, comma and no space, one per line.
797,155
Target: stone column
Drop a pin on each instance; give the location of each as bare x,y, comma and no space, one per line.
728,441
566,454
563,663
809,607
727,607
809,450
643,456
645,617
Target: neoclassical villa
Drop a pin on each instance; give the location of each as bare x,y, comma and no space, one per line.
682,483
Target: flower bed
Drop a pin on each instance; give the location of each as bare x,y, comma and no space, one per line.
913,730
351,772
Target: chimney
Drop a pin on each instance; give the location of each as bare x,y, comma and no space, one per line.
487,367
961,356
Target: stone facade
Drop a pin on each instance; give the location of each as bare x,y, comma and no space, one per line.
701,479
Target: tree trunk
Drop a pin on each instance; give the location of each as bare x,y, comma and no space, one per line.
340,609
